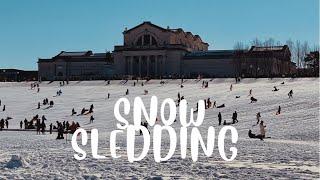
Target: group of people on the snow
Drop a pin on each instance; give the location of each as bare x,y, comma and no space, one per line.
205,84
4,123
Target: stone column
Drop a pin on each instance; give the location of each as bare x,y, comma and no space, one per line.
156,65
139,66
131,65
148,65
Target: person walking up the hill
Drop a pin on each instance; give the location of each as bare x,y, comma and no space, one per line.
219,118
21,124
91,119
1,124
127,92
25,123
235,117
43,127
7,124
250,92
258,117
290,94
231,87
50,128
38,124
214,104
4,108
279,110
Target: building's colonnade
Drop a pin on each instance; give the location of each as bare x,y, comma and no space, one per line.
150,65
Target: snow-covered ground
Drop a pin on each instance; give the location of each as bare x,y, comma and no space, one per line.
291,152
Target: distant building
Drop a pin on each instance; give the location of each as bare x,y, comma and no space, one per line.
17,75
76,66
152,51
311,64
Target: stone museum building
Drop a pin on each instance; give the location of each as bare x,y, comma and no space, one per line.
152,51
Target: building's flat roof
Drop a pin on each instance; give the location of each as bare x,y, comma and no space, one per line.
210,54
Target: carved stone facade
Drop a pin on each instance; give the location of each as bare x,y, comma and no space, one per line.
150,50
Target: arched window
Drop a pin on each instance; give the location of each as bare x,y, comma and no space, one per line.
146,40
153,42
139,41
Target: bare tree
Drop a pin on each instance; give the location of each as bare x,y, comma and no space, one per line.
269,42
298,52
239,48
304,51
256,42
291,46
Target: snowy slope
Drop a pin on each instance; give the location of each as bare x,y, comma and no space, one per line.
291,152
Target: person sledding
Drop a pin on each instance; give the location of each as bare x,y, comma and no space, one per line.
225,123
253,100
91,109
275,89
221,106
83,111
73,112
51,103
290,94
251,135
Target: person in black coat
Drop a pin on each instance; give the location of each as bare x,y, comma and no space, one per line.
220,118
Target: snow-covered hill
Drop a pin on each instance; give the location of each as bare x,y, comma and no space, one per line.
292,152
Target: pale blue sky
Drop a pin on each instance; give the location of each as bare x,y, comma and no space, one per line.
41,28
